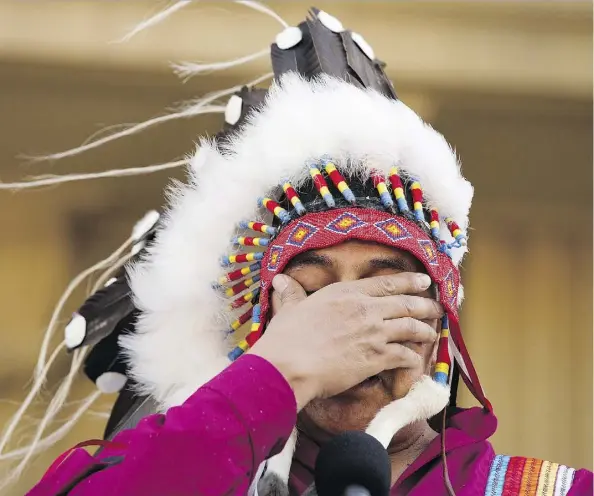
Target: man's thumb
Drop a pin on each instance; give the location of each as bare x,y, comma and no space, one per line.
288,289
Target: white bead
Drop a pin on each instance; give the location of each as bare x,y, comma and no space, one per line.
363,45
289,37
110,382
233,110
331,22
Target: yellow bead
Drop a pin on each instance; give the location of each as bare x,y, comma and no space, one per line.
442,367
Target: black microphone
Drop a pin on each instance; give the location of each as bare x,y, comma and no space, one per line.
353,464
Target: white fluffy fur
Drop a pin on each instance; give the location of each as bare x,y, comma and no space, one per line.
425,399
179,344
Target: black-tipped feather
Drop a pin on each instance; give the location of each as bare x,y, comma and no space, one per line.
284,60
308,62
329,49
129,409
251,100
106,355
385,82
367,71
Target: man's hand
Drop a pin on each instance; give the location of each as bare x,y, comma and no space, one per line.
346,332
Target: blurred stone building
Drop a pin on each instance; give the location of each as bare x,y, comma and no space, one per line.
509,83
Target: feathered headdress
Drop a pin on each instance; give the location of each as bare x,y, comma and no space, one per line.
327,153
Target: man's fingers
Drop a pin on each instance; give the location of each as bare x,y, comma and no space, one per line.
287,290
399,356
393,284
417,307
408,329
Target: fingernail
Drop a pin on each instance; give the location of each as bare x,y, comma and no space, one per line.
279,283
424,281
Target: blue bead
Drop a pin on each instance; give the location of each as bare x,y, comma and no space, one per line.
235,354
349,196
386,200
329,199
300,209
440,378
402,205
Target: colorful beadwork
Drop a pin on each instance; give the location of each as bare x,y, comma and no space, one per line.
249,241
342,224
417,195
449,286
242,286
258,227
275,208
345,223
245,299
434,223
301,233
239,350
512,476
236,324
429,251
339,181
393,229
227,260
398,189
321,185
379,182
443,363
239,273
275,258
256,326
456,232
293,197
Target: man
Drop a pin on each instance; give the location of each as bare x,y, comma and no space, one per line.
347,269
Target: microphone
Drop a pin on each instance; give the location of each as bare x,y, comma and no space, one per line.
353,464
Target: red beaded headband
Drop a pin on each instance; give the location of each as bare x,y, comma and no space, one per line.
303,231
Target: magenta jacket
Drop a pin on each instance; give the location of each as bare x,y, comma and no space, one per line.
213,444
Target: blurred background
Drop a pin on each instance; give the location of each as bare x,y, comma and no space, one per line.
508,83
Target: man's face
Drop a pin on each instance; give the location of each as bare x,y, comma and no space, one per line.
350,261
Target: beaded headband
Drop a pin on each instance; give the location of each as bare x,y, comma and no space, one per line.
322,222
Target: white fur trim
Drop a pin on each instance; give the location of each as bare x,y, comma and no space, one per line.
179,344
425,399
281,464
